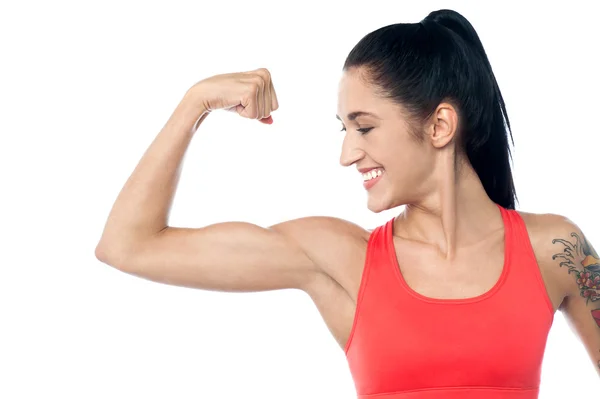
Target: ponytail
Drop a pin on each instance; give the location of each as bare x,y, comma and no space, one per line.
442,58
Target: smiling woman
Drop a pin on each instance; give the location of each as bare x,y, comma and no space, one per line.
459,282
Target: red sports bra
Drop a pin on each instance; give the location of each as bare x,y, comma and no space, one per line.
404,345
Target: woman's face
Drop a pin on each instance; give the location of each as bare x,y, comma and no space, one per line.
406,164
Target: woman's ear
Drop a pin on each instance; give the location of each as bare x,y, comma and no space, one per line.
443,125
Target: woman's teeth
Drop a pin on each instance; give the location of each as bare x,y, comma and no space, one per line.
372,174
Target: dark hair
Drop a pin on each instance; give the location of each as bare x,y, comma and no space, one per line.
419,65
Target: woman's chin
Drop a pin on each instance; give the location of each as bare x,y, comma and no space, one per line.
376,205
380,202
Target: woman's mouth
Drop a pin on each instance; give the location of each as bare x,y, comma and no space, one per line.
372,177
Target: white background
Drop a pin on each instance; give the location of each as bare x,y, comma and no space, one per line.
86,86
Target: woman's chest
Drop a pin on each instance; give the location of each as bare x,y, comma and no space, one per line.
475,271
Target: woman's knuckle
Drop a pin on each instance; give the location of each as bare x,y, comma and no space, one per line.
260,81
253,86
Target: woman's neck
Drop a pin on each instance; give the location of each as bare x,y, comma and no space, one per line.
457,213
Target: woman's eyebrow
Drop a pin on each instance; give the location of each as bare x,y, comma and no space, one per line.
353,115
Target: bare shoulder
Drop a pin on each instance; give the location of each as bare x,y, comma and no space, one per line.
561,247
544,225
330,242
323,225
546,229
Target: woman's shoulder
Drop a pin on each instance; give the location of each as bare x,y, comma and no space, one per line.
547,224
545,229
337,245
330,227
327,239
558,241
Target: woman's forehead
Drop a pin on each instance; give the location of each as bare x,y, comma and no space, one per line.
354,106
351,82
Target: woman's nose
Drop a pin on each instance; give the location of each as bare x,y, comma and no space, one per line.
350,155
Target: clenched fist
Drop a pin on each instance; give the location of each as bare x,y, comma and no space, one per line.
250,94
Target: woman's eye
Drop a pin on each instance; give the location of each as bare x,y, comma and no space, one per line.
362,131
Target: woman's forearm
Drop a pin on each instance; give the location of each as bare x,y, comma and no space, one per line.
142,207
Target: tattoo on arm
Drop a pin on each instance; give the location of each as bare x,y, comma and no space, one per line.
584,263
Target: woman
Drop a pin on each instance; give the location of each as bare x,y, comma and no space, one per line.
455,296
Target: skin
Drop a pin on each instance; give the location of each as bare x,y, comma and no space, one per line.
447,224
449,220
445,200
